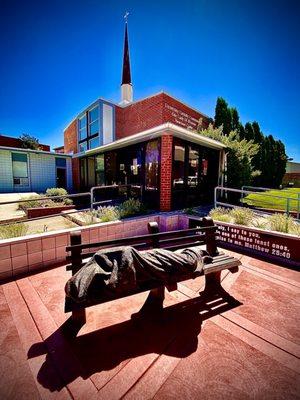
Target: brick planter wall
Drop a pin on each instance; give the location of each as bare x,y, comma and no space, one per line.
42,211
37,252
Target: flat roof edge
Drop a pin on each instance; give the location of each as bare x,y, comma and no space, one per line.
35,151
153,133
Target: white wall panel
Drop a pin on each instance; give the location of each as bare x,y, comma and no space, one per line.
107,124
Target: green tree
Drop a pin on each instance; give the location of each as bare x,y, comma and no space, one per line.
235,119
268,164
239,155
249,133
29,142
223,115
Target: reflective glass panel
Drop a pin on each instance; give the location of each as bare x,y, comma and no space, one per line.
193,166
94,128
82,122
93,143
178,166
82,147
100,170
152,159
93,114
19,165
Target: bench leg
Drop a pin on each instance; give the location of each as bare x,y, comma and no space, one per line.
79,317
153,303
213,283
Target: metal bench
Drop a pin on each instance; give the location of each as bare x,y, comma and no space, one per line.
174,240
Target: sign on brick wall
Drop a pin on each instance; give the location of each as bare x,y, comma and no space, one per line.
181,118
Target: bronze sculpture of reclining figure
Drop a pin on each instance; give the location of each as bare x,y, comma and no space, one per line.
119,270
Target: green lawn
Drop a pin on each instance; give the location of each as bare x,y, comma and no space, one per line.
266,199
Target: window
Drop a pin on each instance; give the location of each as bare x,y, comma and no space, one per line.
88,130
94,142
193,166
60,162
100,170
152,159
20,169
82,127
93,121
82,146
178,165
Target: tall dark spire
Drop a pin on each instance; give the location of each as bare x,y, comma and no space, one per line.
126,75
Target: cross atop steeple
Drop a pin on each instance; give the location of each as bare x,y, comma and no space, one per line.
126,17
126,85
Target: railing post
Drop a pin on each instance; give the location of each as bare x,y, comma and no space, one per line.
298,208
92,198
215,196
76,255
288,206
153,229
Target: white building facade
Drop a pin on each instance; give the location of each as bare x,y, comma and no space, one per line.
24,170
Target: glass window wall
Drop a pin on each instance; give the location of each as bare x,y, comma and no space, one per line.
152,161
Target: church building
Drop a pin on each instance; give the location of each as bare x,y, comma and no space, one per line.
151,143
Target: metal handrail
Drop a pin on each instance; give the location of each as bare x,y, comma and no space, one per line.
265,189
242,191
76,195
49,216
63,196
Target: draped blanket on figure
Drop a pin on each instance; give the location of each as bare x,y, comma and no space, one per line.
120,270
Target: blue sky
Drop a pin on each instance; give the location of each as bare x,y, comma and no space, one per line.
59,56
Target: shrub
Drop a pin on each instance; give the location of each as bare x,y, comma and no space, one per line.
220,214
13,230
109,213
257,223
89,217
281,223
242,216
295,229
59,192
33,203
131,207
190,211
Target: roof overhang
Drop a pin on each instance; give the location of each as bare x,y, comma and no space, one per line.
52,153
153,133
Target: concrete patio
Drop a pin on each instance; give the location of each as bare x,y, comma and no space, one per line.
242,346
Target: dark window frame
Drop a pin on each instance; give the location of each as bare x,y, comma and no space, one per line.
88,137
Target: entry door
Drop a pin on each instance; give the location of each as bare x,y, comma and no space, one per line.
61,178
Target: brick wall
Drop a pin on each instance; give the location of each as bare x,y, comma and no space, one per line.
138,117
8,141
166,173
71,146
70,138
292,177
154,111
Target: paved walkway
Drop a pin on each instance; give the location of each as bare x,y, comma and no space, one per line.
11,211
241,347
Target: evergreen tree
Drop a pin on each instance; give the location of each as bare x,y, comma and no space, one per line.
241,131
29,142
249,134
267,165
235,119
257,161
223,115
